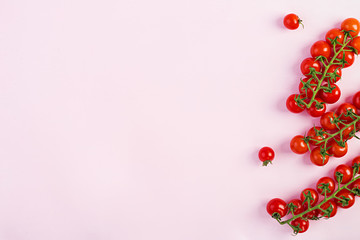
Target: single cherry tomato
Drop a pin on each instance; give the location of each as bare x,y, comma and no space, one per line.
266,155
317,108
329,206
292,21
330,97
298,145
348,199
356,100
329,183
356,161
334,73
327,121
312,195
308,63
346,131
342,110
343,173
316,134
348,56
311,87
312,214
318,158
355,186
352,25
277,208
292,104
355,43
297,208
334,33
320,48
301,225
336,150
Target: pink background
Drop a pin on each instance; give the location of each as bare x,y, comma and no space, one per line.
137,119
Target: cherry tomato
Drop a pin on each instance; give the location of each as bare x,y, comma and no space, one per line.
352,25
292,21
356,161
313,199
266,155
302,225
344,172
336,150
329,182
330,97
310,90
343,109
334,73
298,145
333,33
355,43
277,208
314,137
349,57
307,63
312,214
355,186
320,48
317,158
329,206
292,105
356,100
327,121
298,207
346,195
345,132
317,108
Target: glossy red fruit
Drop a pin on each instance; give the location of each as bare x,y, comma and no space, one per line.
292,105
356,100
311,87
348,199
352,25
318,158
266,155
298,207
356,161
298,145
334,33
327,121
302,225
348,56
344,173
331,96
317,108
355,43
325,181
308,63
334,73
330,207
313,196
343,109
336,150
277,208
320,48
316,134
292,21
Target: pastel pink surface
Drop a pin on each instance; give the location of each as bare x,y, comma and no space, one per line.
142,119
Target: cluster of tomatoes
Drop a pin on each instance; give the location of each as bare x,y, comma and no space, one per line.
336,193
331,138
324,69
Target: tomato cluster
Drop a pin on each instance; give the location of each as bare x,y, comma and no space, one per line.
330,138
323,69
323,201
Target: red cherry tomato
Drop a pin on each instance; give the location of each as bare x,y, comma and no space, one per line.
346,131
336,150
348,199
356,161
308,92
355,186
325,181
342,110
292,21
349,57
352,25
314,197
334,73
334,33
320,48
355,43
312,214
317,108
330,97
308,63
327,121
356,100
298,145
266,155
277,208
316,134
302,225
329,206
292,105
317,158
344,173
298,207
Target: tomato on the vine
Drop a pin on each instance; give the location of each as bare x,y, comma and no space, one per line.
336,150
292,105
298,145
327,121
277,208
355,43
266,155
342,110
298,206
355,187
335,33
348,199
312,214
316,134
343,173
301,225
309,92
330,206
319,157
292,21
352,25
312,196
320,48
346,131
330,97
348,56
356,161
356,100
317,108
335,72
325,181
308,63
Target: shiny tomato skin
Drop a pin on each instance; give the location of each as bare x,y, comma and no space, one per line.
299,208
327,121
317,158
298,145
303,224
328,204
320,48
313,194
342,110
355,43
356,100
336,150
346,171
314,138
330,97
291,21
349,57
278,206
330,183
314,111
344,193
351,24
292,105
333,33
310,91
307,63
337,70
356,161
